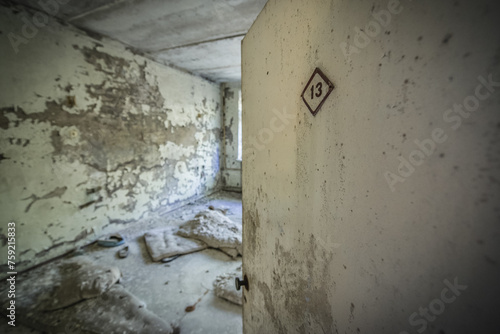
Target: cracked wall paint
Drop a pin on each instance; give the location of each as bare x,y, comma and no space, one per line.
94,136
231,173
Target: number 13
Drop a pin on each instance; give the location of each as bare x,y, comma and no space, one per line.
319,87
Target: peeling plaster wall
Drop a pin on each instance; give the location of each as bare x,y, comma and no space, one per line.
94,137
329,246
231,174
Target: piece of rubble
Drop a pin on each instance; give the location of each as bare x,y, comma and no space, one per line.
216,230
75,280
166,243
115,311
103,307
224,288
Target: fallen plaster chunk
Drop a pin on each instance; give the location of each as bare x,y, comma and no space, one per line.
103,307
224,287
77,279
115,311
165,243
216,230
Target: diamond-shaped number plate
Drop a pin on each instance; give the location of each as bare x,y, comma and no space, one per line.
317,90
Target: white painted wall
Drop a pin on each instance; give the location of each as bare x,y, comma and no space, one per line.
231,173
141,136
330,245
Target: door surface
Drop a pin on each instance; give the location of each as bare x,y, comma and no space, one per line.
379,214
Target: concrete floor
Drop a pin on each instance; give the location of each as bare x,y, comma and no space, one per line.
168,289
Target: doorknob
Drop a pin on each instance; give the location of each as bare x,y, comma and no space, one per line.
239,283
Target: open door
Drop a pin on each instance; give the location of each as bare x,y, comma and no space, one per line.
378,214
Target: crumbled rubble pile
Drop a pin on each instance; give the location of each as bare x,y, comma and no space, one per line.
209,228
80,296
166,243
225,289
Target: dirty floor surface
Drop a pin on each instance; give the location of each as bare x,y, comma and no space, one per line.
168,289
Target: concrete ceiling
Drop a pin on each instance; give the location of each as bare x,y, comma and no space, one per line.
199,36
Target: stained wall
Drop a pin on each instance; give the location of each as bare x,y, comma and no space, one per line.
381,213
231,163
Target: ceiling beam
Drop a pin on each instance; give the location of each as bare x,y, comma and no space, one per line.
95,10
199,43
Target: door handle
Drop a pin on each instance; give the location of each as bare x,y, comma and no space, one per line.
239,283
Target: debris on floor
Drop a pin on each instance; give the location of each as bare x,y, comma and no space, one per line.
216,230
80,295
123,253
116,311
169,259
224,287
208,229
165,243
170,290
75,280
191,308
224,211
112,240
